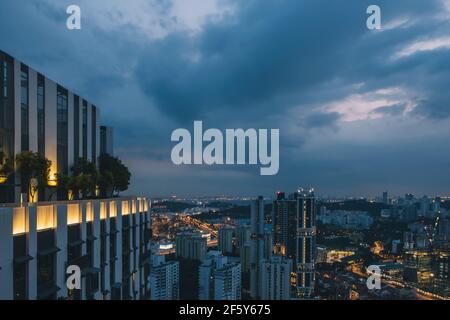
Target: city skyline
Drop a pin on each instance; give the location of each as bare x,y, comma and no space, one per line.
347,128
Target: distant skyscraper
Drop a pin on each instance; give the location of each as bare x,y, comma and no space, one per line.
219,278
191,245
226,239
294,223
243,233
306,231
257,245
275,278
164,279
268,244
385,198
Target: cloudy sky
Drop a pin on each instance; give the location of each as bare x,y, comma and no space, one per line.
360,111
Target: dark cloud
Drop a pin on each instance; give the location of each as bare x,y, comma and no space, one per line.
271,64
328,119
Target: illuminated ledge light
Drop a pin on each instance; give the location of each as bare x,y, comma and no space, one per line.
46,218
102,210
89,212
125,208
112,209
73,214
20,225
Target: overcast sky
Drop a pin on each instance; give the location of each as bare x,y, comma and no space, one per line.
359,111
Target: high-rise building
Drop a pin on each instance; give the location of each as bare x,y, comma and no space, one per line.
219,278
257,245
109,240
276,278
191,245
243,233
294,223
191,249
40,115
226,239
164,279
306,250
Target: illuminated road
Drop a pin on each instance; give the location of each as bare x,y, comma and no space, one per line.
421,294
213,242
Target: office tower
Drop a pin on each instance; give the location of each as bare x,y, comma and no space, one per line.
268,244
243,233
226,239
191,249
109,240
257,244
40,115
191,245
244,254
276,278
219,278
164,279
294,223
306,250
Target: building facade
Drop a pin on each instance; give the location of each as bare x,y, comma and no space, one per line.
219,278
276,278
294,224
258,249
226,239
108,240
40,115
164,279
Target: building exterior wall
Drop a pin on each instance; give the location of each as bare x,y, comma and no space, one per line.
51,150
56,219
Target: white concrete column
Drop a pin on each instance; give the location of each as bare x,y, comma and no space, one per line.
17,109
118,275
83,207
136,252
32,110
32,251
71,141
61,243
108,253
96,234
17,123
6,254
89,132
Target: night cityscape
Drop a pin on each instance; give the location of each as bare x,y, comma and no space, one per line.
224,158
407,237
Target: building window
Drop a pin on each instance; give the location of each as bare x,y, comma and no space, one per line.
85,135
24,94
46,265
94,134
20,266
41,114
62,131
76,127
